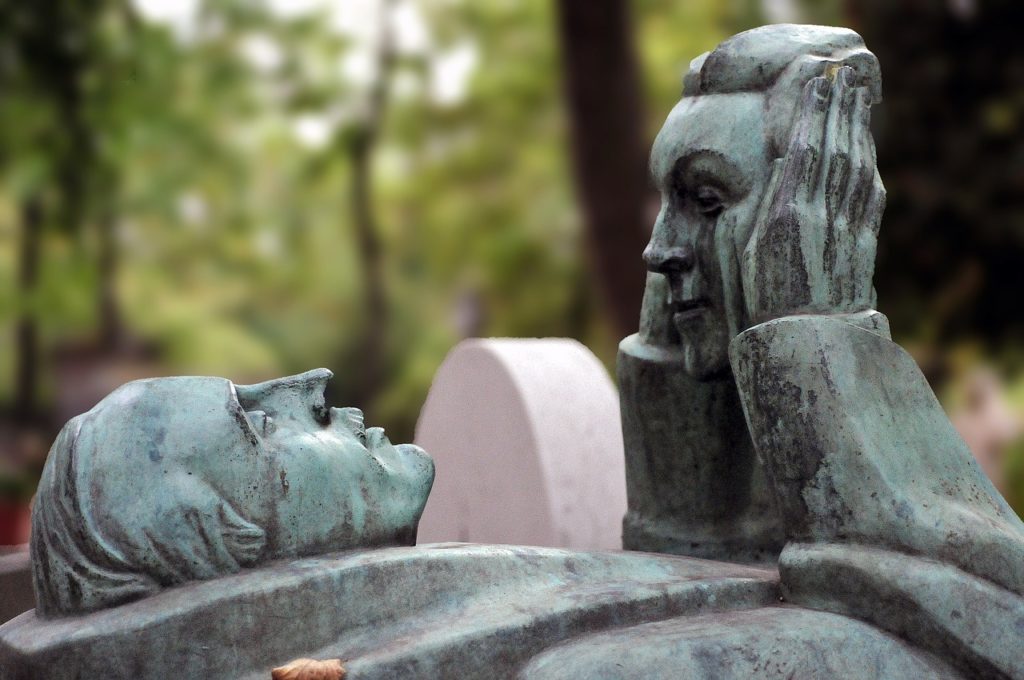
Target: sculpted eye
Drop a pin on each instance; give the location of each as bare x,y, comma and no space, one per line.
708,200
260,421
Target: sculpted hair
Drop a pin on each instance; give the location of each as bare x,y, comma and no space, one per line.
779,60
72,570
112,523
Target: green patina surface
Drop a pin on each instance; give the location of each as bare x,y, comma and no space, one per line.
186,525
170,480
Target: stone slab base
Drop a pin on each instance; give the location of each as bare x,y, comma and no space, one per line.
467,611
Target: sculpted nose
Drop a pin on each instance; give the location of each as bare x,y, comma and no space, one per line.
676,260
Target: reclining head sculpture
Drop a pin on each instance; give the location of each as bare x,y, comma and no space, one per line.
169,480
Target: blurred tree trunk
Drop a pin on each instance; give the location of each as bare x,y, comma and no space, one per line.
106,294
371,352
373,345
602,88
27,333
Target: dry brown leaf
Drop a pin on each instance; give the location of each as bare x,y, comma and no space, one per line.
309,669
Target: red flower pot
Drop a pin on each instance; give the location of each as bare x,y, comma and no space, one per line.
15,522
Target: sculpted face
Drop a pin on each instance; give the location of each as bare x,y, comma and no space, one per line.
333,482
171,480
711,163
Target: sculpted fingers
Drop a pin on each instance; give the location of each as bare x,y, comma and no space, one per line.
769,201
833,183
752,270
762,223
804,155
862,158
838,141
874,206
813,243
815,133
867,243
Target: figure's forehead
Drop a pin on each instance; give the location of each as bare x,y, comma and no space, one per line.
730,125
161,420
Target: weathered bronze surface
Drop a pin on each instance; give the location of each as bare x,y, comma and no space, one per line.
760,298
170,480
765,407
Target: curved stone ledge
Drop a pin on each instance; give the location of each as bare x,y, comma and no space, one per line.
444,610
772,642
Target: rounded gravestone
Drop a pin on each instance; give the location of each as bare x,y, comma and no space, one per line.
527,444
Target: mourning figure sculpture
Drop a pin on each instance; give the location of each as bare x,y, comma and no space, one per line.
192,527
731,248
761,263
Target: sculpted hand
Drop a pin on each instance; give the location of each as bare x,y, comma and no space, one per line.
812,249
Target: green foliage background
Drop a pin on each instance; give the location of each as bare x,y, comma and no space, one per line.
235,242
237,251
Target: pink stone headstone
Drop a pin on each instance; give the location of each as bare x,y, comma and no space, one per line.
527,443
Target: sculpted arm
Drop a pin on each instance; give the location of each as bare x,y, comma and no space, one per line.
880,498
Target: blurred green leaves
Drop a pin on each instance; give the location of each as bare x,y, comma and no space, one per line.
213,154
216,144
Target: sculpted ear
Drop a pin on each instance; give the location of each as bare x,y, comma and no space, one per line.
243,539
220,541
198,536
74,569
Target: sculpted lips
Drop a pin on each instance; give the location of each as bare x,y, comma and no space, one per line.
684,310
683,301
